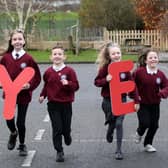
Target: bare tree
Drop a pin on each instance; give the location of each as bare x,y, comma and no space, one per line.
21,10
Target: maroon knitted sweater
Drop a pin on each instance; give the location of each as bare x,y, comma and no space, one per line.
53,88
151,88
14,67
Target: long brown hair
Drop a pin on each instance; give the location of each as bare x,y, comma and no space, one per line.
10,47
143,56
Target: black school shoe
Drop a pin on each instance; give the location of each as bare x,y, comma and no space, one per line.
109,137
109,134
118,156
12,141
22,150
60,157
68,140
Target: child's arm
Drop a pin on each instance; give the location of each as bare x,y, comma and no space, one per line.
43,93
163,93
37,77
102,78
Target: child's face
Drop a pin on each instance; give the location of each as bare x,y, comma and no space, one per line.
58,56
152,59
17,41
115,54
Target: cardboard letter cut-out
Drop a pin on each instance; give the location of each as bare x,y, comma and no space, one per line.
12,88
118,87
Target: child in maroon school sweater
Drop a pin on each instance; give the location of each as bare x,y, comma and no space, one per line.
110,53
152,85
15,59
60,84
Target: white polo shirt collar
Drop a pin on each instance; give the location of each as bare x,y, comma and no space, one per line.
149,71
58,68
19,53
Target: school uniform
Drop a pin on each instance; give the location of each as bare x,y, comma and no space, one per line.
14,64
60,98
110,119
100,81
152,86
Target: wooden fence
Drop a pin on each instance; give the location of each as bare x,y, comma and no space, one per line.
154,38
95,38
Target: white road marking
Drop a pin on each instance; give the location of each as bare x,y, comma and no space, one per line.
28,160
39,134
47,118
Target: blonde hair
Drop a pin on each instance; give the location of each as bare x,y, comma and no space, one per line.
103,57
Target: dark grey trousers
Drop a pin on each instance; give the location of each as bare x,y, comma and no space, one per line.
113,122
60,116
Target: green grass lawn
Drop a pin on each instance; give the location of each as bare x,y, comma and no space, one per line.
59,15
84,56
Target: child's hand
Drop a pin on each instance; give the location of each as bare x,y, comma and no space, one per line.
108,78
64,82
41,99
26,86
162,94
136,107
